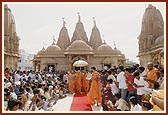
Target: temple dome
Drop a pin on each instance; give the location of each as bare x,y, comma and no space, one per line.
79,45
117,51
41,52
105,48
53,48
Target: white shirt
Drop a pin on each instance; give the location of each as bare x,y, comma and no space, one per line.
136,108
30,96
89,76
41,91
142,90
142,74
26,77
7,85
111,77
32,76
45,106
48,75
36,108
121,104
35,80
114,88
65,77
27,104
50,69
17,77
121,79
13,95
39,76
22,77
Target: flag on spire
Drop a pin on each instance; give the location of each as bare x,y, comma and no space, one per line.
54,40
64,23
79,16
94,22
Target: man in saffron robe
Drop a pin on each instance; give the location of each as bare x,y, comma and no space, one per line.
151,75
85,84
78,83
71,80
94,95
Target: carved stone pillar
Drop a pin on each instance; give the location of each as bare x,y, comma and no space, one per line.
88,60
9,46
11,43
42,67
70,62
5,43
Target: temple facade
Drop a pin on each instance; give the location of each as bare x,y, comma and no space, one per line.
61,54
11,41
151,38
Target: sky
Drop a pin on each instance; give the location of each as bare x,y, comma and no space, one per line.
37,23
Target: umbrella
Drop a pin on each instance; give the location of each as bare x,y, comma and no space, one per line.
80,63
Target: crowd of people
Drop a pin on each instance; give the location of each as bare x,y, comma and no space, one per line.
131,88
134,88
33,91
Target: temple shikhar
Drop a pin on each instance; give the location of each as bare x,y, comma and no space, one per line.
151,38
11,40
61,54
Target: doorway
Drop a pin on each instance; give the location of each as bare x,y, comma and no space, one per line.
51,68
79,68
107,65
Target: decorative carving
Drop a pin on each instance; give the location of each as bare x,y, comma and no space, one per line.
155,58
149,41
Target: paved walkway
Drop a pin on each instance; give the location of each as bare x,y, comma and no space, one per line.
63,105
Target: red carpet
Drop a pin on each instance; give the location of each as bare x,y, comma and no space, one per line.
79,103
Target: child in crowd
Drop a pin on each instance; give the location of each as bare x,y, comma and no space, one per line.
121,104
134,104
